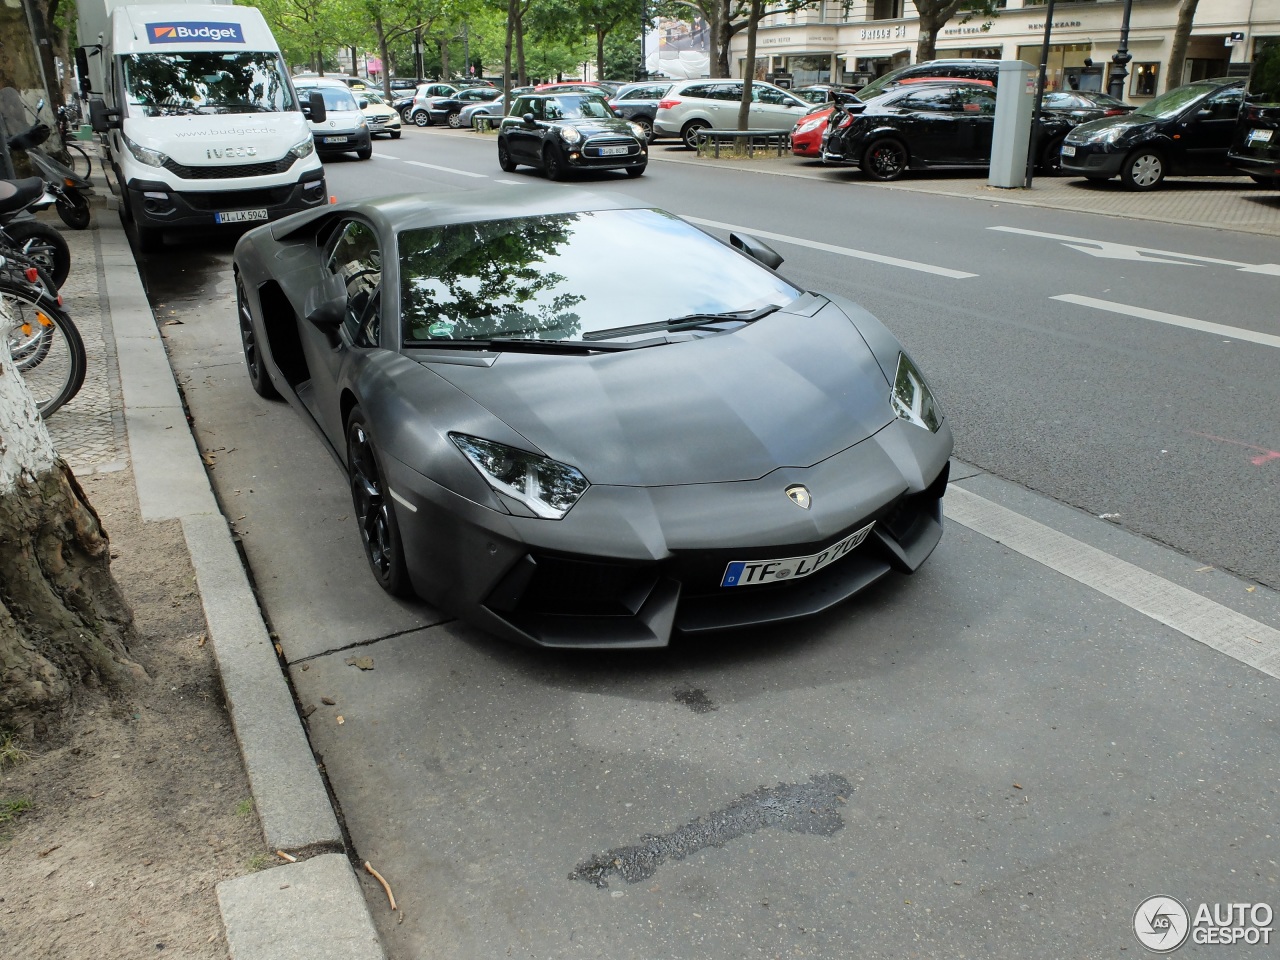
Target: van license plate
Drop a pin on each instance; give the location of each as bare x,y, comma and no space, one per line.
240,216
1259,136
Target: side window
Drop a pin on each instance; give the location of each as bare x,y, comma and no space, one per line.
701,91
769,95
357,258
728,91
936,100
521,107
973,101
1225,104
553,111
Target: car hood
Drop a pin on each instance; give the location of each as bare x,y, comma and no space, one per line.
785,391
202,140
1094,128
590,128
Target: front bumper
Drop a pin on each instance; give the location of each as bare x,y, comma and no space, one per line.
384,124
631,566
351,140
1093,160
1255,166
154,203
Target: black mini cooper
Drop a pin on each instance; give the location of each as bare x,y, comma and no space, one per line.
570,131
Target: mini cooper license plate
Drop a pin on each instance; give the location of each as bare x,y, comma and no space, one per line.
613,151
333,139
1259,136
240,216
1068,151
743,573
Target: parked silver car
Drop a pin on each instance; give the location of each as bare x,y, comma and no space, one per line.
693,105
493,108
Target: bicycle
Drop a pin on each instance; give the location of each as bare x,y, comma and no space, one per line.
68,116
42,340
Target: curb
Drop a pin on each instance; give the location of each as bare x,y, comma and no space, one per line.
314,908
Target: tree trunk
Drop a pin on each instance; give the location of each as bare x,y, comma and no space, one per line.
512,6
721,37
443,43
1181,36
600,32
926,45
749,68
522,70
63,622
385,57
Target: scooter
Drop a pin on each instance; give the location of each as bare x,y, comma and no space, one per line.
22,232
69,189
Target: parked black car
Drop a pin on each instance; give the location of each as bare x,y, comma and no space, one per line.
638,102
1081,106
447,109
1255,149
927,125
957,69
1185,131
566,131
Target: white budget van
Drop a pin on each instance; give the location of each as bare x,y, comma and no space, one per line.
203,126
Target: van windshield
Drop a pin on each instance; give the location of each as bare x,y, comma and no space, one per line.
181,83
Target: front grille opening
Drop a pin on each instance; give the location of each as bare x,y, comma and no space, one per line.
573,588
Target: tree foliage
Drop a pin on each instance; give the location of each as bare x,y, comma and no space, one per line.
935,14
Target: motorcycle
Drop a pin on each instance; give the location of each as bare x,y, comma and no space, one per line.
23,233
70,190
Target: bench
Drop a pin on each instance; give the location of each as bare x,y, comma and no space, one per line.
778,140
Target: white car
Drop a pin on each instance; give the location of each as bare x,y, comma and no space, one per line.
380,115
344,127
693,105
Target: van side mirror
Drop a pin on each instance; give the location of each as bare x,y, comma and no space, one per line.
362,103
326,304
101,118
313,107
756,249
82,67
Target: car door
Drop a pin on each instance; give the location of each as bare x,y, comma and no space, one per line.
525,143
974,124
355,256
774,109
926,119
1207,131
723,105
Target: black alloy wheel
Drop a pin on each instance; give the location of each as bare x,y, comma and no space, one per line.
504,157
552,163
73,208
375,513
885,160
259,379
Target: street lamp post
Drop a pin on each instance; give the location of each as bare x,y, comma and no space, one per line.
1120,60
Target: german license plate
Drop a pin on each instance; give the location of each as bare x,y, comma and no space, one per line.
333,140
1068,150
240,216
744,573
1259,136
613,151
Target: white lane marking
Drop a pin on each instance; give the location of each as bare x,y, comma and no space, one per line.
1123,251
831,248
432,166
1203,620
514,183
1190,323
401,500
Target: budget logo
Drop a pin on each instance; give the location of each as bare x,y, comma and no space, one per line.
197,32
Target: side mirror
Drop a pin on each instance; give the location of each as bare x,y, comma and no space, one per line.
314,107
528,120
82,68
362,103
756,249
326,304
101,118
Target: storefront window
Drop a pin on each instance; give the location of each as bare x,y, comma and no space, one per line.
1064,66
807,70
1144,79
887,10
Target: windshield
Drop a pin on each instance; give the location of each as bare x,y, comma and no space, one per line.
577,108
335,98
556,277
177,84
1172,103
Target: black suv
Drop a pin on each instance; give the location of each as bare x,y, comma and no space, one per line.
1185,131
1255,150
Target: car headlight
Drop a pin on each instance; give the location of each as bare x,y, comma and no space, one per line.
362,122
809,125
638,131
547,487
303,148
152,158
911,398
570,134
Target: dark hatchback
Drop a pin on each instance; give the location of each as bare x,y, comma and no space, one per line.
1184,132
1085,105
924,126
1255,148
564,132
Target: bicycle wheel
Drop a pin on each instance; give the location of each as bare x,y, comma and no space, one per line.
44,343
78,158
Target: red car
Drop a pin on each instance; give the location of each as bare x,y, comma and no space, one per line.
806,135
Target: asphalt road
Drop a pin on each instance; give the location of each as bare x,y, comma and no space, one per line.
989,759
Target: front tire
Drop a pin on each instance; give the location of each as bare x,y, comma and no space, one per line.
374,509
43,244
73,208
886,159
689,133
552,164
1051,160
365,152
636,171
504,157
395,134
1144,169
259,379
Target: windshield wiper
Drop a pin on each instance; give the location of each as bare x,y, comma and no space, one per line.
685,322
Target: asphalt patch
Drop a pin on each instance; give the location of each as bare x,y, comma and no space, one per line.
695,699
812,807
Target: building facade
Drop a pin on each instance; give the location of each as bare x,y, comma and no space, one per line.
854,44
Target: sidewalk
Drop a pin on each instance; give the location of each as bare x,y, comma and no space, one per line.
129,414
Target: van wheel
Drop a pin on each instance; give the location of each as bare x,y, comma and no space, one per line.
365,152
150,240
1143,169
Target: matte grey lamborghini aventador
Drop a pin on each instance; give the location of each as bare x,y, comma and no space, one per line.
572,461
